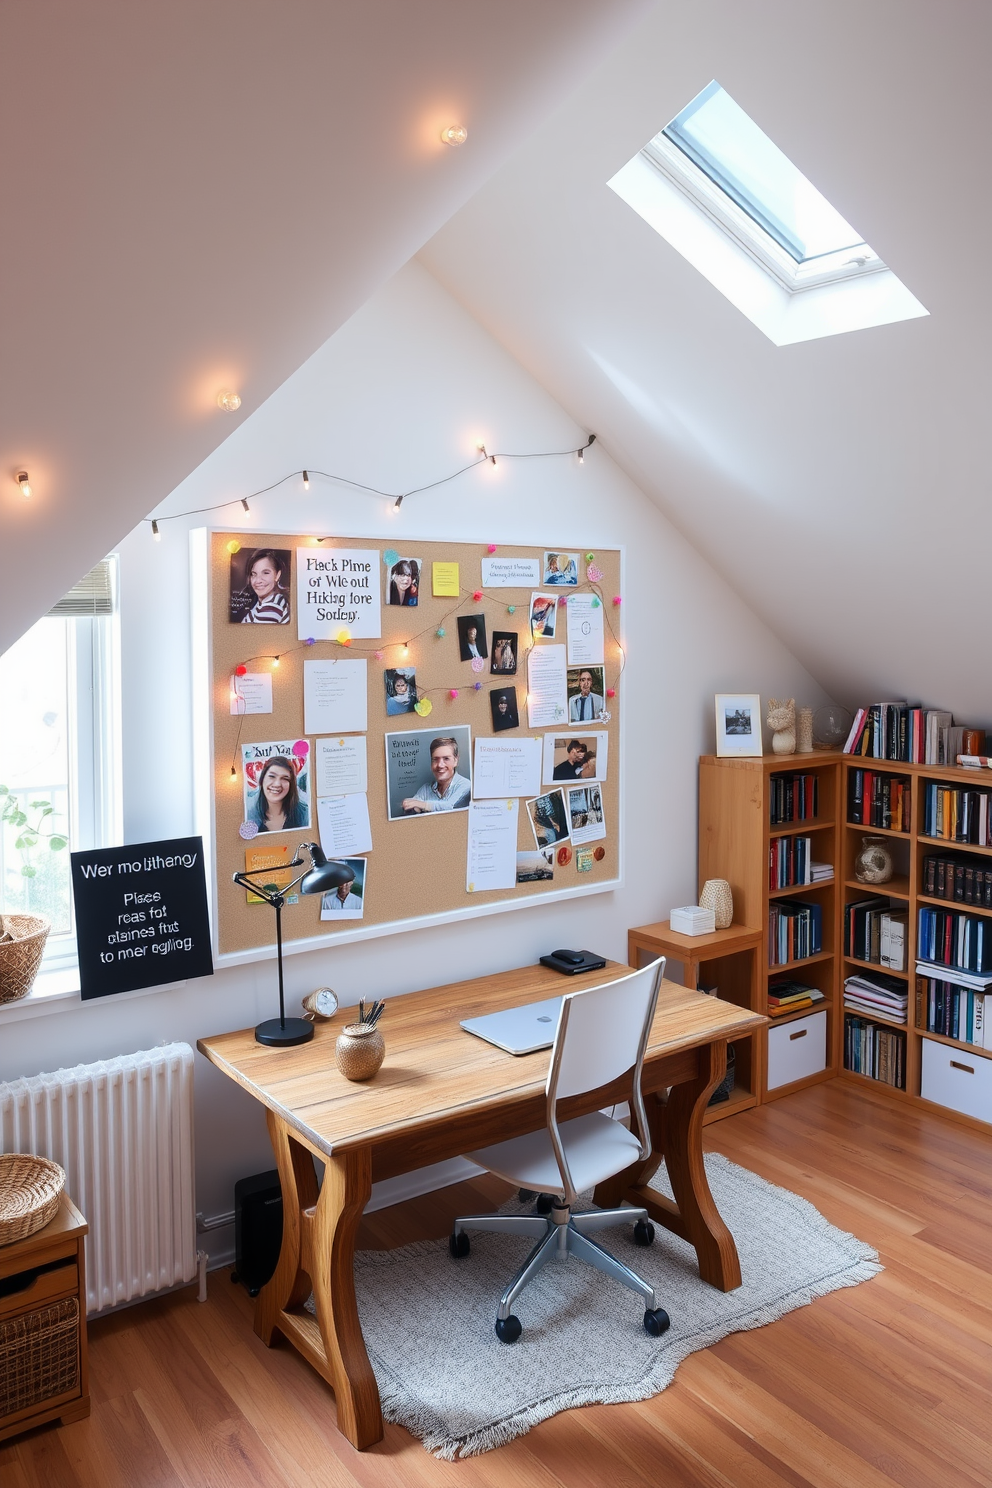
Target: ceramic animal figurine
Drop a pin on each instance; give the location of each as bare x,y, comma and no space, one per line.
782,719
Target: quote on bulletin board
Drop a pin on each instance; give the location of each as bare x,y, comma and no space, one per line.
443,718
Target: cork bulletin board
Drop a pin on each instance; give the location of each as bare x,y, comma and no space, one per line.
417,871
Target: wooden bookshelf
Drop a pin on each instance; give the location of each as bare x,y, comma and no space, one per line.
735,832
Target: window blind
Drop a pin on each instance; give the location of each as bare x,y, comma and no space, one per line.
92,595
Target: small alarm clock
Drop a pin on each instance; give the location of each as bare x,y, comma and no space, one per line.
321,1005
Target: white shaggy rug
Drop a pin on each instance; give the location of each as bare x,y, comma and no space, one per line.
445,1376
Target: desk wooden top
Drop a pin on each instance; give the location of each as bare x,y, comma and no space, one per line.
432,1066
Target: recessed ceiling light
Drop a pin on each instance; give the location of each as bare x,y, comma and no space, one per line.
230,402
455,134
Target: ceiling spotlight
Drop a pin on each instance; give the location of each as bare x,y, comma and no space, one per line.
24,483
230,402
455,134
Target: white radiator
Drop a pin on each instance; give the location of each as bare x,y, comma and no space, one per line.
123,1130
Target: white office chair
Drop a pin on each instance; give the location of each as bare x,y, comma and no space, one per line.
602,1033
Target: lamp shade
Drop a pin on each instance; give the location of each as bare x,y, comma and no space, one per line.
323,876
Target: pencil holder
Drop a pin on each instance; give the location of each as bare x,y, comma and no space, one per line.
359,1051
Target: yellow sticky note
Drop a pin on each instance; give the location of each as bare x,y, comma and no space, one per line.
444,580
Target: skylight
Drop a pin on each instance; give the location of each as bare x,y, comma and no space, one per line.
740,206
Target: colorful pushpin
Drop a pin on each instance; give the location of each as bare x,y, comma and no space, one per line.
310,641
241,670
477,686
611,692
476,596
617,601
440,632
490,547
453,692
234,546
248,830
378,655
510,609
390,556
423,706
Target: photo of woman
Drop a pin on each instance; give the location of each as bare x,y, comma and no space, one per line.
472,637
260,587
403,581
277,806
401,689
504,658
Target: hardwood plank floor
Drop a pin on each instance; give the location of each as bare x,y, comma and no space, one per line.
884,1384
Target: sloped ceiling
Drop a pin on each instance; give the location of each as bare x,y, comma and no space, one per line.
841,485
197,195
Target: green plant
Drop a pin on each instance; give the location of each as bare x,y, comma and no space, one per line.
30,831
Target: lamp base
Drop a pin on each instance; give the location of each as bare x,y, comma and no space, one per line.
296,1031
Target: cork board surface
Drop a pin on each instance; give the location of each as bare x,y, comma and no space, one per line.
417,866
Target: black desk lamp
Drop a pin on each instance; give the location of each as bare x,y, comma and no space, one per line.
319,879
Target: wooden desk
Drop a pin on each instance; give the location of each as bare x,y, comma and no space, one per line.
441,1093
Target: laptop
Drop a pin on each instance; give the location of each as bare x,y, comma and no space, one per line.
519,1030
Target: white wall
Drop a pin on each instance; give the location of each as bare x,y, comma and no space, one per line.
397,398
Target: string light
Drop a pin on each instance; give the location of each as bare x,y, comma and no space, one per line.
234,773
155,532
230,402
306,480
455,134
582,452
397,498
24,483
275,662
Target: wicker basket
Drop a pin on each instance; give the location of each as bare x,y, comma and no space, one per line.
20,956
39,1356
30,1189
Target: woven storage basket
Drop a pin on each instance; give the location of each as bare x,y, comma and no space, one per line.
21,956
30,1189
39,1356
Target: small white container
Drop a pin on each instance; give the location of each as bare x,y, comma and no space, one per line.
957,1078
797,1049
692,920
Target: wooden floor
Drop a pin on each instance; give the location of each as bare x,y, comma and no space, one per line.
882,1384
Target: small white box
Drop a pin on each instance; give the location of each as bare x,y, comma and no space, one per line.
957,1078
797,1049
691,919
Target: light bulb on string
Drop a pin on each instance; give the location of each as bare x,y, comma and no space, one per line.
155,532
24,484
244,503
275,662
454,134
306,480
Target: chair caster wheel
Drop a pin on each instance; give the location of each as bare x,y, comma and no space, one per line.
458,1244
254,1291
643,1232
508,1330
526,1194
656,1322
545,1203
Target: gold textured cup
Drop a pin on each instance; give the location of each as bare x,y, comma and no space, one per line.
359,1051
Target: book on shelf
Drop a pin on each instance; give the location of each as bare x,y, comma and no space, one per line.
959,879
792,797
820,872
957,1012
948,938
876,931
877,994
795,931
957,814
877,799
791,997
976,982
907,733
789,862
875,1051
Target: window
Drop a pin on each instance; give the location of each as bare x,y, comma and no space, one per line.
726,197
59,753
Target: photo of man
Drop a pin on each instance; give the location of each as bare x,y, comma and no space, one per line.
347,902
503,703
586,691
548,818
401,690
428,773
576,764
472,637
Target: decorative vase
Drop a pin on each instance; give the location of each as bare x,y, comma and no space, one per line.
873,864
716,895
359,1051
804,731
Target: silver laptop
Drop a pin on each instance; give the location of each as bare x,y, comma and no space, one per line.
519,1030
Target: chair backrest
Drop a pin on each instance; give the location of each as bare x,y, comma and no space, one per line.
602,1032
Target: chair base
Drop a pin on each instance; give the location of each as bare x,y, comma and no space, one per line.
558,1236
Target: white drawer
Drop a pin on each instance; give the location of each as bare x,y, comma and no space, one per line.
957,1078
797,1049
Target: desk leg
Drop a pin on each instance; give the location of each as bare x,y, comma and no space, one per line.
318,1249
677,1137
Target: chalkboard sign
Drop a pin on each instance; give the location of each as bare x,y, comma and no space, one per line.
141,915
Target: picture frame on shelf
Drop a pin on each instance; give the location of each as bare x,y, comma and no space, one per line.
738,724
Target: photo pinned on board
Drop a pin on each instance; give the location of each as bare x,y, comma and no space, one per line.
585,814
277,785
548,818
575,757
503,704
504,657
260,586
472,637
403,581
347,902
428,771
543,616
561,569
401,689
586,688
537,866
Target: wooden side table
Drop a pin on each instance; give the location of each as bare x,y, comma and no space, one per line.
43,1366
728,960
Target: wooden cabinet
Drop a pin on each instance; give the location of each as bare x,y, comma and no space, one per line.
43,1364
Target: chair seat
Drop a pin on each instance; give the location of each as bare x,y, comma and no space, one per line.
596,1147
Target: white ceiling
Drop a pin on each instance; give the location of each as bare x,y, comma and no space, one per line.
841,485
197,195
